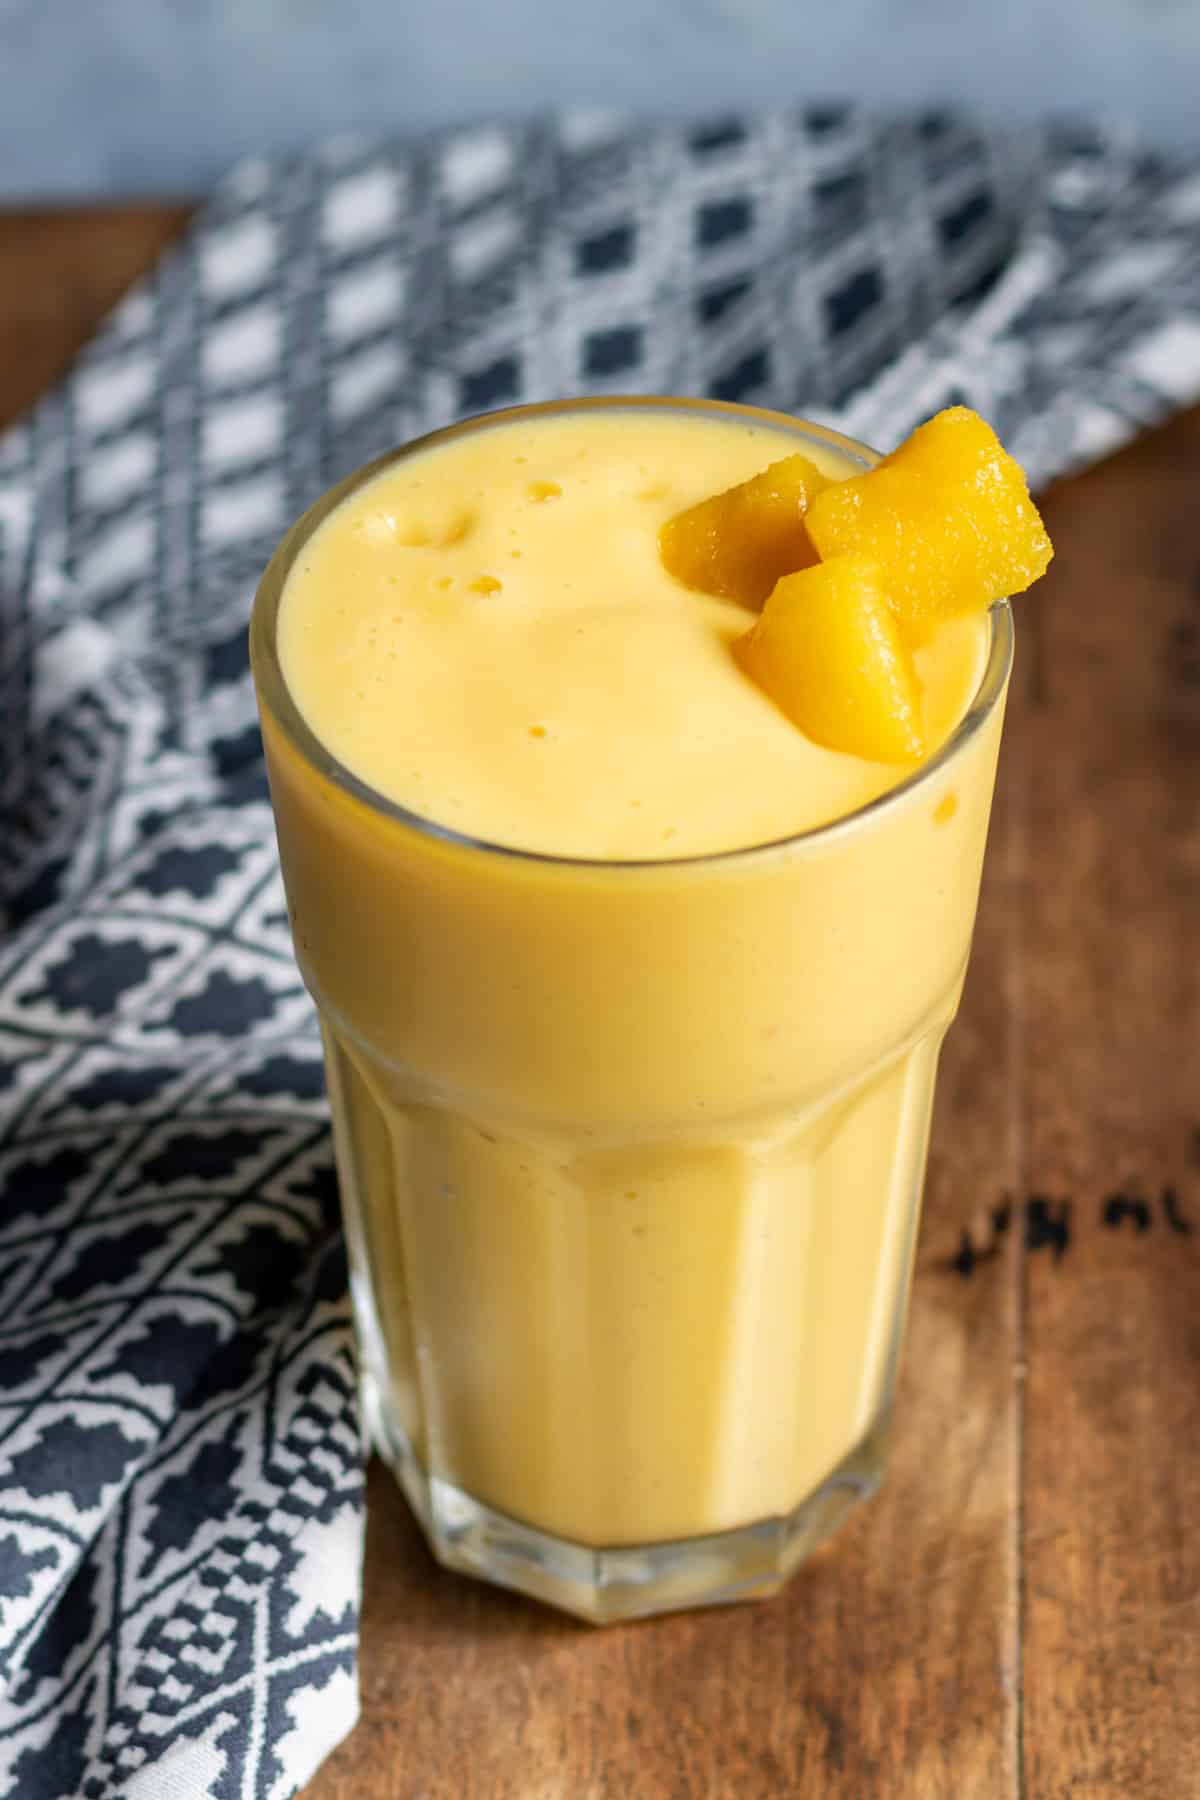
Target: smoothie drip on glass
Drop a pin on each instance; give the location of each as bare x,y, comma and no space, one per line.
631,998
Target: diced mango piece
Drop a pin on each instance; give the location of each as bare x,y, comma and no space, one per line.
829,651
947,516
740,542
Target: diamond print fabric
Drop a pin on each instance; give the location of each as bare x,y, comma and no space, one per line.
180,1469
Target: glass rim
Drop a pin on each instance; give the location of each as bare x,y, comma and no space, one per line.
274,694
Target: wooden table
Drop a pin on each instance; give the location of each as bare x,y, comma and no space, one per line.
1019,1613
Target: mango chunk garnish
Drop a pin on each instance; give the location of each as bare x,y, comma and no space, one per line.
854,576
947,516
829,651
739,543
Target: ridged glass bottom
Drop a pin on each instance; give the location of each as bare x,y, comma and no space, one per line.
631,1376
605,1586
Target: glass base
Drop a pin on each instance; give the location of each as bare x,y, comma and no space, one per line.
635,1581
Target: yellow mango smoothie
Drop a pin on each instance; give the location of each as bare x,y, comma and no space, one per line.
632,996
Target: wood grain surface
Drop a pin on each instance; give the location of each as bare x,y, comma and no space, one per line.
1018,1614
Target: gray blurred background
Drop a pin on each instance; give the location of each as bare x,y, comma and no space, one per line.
159,96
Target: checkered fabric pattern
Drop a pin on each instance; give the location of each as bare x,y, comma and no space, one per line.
180,1458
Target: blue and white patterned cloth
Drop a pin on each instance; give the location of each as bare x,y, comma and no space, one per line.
180,1465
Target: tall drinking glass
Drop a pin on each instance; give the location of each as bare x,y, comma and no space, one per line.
630,1153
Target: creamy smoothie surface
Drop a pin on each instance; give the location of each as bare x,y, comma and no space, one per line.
486,634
